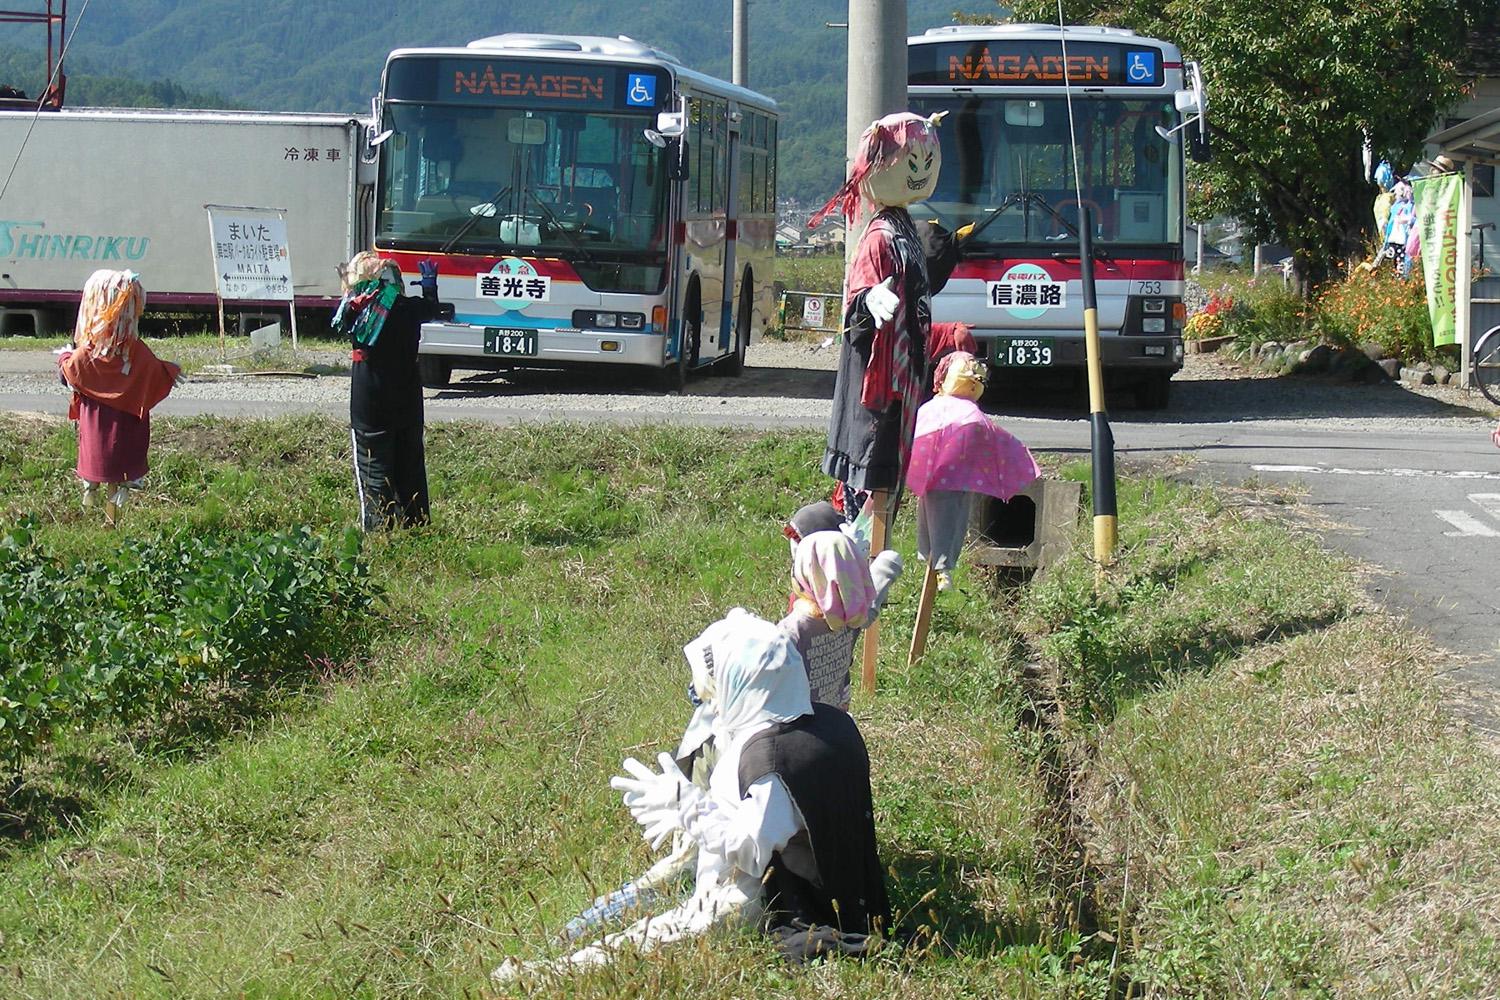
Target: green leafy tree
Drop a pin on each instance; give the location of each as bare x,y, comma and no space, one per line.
1294,89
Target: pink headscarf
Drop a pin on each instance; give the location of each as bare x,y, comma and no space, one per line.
831,570
880,145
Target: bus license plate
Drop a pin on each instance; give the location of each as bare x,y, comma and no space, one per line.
505,340
1023,352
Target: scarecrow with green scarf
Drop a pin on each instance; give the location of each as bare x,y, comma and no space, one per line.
384,329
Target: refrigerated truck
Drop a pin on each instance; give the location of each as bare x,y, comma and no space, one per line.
117,188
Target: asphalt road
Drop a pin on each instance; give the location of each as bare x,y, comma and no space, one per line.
1408,483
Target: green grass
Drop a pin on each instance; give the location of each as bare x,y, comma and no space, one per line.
399,825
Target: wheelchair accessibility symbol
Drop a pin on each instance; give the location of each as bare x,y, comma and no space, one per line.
1140,67
640,90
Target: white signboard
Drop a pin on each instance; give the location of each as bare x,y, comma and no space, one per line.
1026,291
812,311
513,283
252,259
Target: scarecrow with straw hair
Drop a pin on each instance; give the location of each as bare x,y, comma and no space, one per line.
116,381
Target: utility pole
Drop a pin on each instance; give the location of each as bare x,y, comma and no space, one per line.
877,87
877,66
740,76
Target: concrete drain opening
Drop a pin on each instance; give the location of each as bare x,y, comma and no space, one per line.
1030,530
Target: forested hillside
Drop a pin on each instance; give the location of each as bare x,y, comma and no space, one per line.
26,70
327,55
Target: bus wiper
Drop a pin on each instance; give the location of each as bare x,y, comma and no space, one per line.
552,218
1032,198
475,215
995,213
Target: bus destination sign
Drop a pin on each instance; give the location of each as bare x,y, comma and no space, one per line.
529,83
1033,63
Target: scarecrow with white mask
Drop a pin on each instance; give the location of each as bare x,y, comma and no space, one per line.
785,831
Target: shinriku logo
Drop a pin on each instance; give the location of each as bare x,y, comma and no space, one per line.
30,241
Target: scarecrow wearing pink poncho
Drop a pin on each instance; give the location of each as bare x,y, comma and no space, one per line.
959,453
889,336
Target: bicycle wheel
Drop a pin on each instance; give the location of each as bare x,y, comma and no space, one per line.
1487,364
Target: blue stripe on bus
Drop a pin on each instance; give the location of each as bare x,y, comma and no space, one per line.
519,322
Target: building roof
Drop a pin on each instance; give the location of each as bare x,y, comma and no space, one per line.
1477,139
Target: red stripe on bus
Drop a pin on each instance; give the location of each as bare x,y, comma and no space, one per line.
732,229
463,265
679,233
1173,65
1065,270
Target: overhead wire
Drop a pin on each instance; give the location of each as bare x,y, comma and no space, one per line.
40,103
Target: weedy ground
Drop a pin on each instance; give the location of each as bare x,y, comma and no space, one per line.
1213,773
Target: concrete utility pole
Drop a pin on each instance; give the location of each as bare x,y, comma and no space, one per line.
740,76
877,66
877,87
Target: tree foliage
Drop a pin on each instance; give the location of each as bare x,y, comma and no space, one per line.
1294,89
291,55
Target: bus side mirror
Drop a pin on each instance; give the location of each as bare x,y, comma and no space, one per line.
677,160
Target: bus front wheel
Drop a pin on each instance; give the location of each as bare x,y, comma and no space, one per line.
675,376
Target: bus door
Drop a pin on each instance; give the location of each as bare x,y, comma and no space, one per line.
731,238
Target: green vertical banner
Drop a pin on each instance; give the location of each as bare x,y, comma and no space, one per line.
1438,200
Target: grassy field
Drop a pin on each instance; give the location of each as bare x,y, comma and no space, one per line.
1212,775
198,350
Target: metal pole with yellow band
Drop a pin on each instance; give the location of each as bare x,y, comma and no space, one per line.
1101,440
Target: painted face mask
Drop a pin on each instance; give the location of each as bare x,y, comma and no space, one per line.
897,164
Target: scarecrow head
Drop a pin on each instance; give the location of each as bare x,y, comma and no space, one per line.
109,312
960,374
897,165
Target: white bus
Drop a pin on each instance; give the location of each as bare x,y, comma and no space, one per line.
588,199
1008,167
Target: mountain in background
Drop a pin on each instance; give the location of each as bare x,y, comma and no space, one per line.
326,55
26,70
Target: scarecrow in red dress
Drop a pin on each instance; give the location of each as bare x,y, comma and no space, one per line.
116,381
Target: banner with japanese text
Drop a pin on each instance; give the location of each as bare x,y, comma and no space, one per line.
1439,199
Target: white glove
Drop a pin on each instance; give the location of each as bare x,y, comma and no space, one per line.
881,301
656,800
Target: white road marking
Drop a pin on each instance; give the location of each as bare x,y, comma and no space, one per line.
1467,524
1487,502
1396,473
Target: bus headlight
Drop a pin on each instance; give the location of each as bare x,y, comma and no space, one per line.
1154,324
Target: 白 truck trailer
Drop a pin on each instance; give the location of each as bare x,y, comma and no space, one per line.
117,188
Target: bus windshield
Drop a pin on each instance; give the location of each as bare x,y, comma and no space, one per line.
500,180
1008,168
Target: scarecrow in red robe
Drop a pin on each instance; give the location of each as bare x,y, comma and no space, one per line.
889,337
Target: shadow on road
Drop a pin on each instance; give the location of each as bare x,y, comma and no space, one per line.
765,383
1219,399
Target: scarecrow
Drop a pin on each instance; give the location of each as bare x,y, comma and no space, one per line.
384,328
785,830
889,336
958,453
116,382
